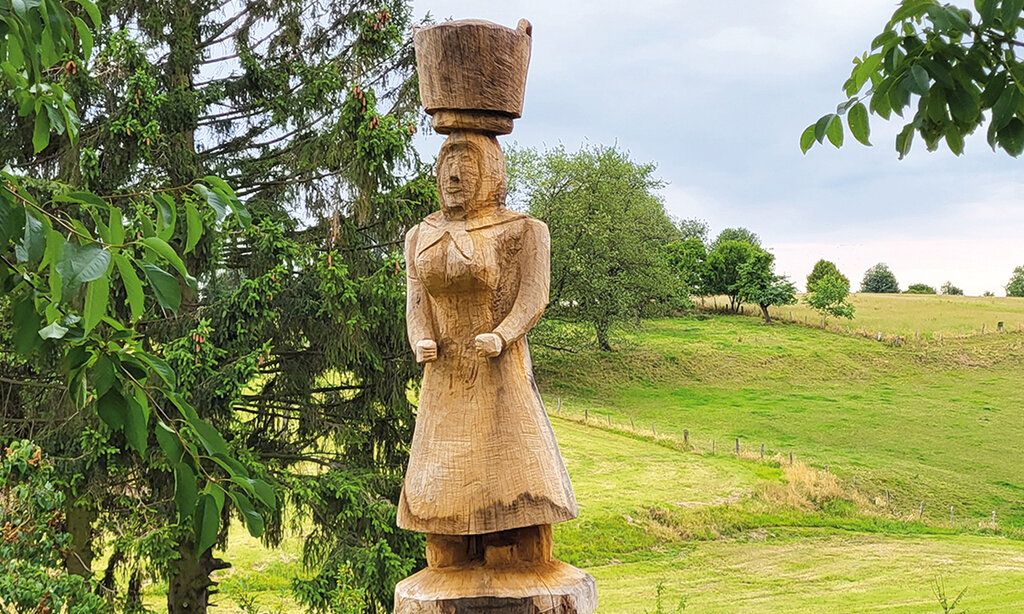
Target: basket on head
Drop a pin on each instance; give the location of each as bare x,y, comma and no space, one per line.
473,74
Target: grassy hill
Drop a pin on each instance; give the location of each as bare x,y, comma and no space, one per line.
919,315
875,430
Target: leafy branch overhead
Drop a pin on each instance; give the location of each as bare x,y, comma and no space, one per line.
66,256
946,70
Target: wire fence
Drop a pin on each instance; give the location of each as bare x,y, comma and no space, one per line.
931,513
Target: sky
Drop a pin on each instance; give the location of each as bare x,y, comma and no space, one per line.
717,93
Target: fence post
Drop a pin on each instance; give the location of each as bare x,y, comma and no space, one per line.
737,446
994,525
586,415
559,406
762,451
791,458
654,431
632,425
920,511
609,420
686,437
888,499
952,516
712,446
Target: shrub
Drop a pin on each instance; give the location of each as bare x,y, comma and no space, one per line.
879,279
920,289
950,290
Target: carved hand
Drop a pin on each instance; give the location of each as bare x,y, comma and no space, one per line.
426,350
489,344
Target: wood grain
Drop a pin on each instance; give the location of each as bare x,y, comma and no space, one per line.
485,479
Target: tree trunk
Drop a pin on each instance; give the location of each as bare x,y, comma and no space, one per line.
78,558
764,312
189,589
602,337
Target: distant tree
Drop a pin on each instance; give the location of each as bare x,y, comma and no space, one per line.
988,293
688,260
950,290
829,296
1016,285
722,274
951,68
821,269
693,229
879,279
920,289
608,230
737,234
759,284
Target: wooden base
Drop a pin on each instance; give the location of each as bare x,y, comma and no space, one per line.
550,588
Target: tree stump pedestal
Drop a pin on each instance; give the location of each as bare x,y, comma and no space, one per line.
548,588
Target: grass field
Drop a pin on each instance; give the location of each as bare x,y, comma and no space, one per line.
940,424
924,315
936,422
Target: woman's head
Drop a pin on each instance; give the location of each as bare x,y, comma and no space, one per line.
470,174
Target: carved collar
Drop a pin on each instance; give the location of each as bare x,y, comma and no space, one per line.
436,226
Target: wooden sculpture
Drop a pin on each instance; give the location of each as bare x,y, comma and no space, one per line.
485,480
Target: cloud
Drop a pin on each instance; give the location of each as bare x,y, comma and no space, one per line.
717,93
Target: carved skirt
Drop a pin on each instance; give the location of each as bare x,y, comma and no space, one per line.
484,456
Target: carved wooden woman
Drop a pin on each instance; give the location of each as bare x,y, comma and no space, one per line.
485,480
484,458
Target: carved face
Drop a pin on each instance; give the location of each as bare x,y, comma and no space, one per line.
470,174
458,177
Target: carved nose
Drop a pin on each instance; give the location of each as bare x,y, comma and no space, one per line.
453,178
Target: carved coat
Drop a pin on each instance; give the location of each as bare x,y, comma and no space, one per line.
484,457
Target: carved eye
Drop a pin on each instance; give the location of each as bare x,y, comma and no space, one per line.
453,178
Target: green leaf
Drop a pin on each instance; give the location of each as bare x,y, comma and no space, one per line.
253,520
53,331
12,219
87,198
195,226
102,376
207,523
209,437
217,202
1006,106
987,10
116,226
85,34
97,295
807,139
41,131
835,131
33,243
81,264
113,409
21,7
159,366
137,425
919,82
132,286
904,140
858,122
26,325
265,493
93,12
167,218
169,443
954,139
1011,13
186,491
164,285
821,127
161,248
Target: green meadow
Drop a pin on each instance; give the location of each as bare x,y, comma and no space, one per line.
875,431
